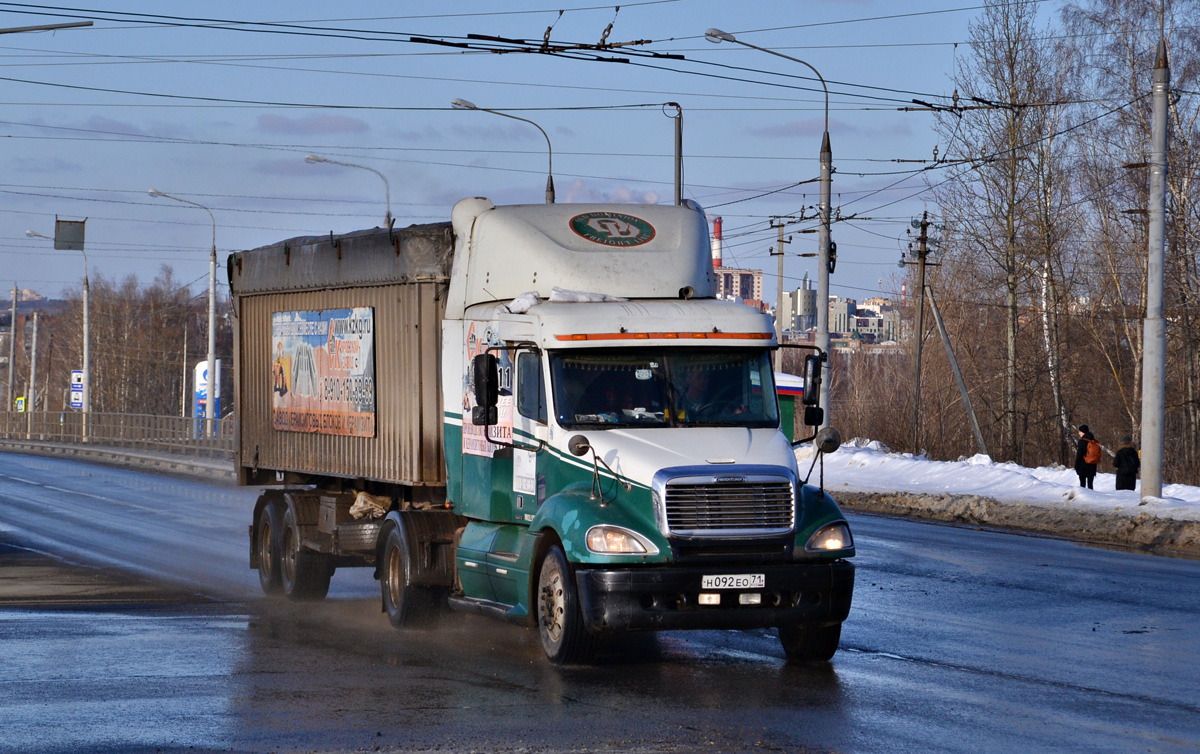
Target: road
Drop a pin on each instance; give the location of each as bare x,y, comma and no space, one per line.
959,640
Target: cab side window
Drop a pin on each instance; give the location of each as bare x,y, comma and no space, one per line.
531,390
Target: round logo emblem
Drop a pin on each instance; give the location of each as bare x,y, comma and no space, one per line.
612,228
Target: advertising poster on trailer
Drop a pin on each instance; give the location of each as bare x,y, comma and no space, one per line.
323,371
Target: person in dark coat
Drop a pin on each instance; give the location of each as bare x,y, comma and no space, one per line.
1086,471
1127,464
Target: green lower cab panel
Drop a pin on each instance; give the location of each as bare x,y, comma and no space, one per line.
493,564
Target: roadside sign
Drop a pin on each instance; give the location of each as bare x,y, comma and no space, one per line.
77,388
200,396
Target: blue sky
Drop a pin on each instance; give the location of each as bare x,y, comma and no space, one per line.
223,114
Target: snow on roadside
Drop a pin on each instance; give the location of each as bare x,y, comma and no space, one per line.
868,466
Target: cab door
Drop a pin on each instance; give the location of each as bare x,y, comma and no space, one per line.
530,431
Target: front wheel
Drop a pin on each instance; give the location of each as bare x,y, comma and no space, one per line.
810,643
405,603
305,574
560,623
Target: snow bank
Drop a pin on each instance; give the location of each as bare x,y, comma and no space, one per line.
866,475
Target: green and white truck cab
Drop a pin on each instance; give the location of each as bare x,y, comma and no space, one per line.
626,469
612,444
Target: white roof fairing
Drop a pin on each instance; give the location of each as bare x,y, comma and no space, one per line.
502,252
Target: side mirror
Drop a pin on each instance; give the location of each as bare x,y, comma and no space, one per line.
814,416
828,440
578,445
484,372
812,382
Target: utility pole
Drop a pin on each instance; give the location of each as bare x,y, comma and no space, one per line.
12,346
778,222
678,117
825,269
31,402
958,378
918,330
1154,336
183,384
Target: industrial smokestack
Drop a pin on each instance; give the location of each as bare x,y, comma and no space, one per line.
716,243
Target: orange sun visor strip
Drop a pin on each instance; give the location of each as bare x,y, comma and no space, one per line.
666,336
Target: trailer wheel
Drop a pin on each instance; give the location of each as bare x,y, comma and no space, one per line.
405,603
305,573
560,623
269,549
810,643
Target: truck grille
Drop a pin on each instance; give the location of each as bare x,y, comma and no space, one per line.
746,507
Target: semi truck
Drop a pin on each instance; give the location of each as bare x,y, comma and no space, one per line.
539,413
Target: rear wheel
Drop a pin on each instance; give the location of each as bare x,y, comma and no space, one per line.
560,623
405,603
305,573
269,549
810,643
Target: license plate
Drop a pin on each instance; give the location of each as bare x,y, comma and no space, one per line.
738,581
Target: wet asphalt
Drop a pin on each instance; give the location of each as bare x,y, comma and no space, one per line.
129,621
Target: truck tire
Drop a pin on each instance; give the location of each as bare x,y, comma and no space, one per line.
305,573
406,604
560,623
269,549
810,643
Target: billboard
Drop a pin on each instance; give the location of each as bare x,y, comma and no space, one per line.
200,383
323,371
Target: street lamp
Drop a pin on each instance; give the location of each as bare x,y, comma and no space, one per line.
87,340
462,104
209,406
314,159
717,36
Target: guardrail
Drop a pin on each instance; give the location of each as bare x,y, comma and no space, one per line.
169,434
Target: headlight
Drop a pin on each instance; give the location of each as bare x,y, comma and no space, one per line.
835,536
616,540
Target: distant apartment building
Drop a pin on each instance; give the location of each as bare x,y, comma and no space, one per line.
739,285
875,321
800,307
735,284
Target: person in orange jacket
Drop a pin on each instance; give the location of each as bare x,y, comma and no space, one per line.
1085,470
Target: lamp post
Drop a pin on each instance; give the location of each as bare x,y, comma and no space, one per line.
314,159
462,104
212,388
87,338
717,36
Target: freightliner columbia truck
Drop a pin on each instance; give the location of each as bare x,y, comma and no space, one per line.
539,413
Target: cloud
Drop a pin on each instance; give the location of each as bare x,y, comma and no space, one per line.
579,191
426,134
312,125
101,125
497,132
816,127
294,167
791,129
42,165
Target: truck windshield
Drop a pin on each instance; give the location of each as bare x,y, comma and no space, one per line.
645,387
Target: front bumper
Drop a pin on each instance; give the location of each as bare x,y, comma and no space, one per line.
658,599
